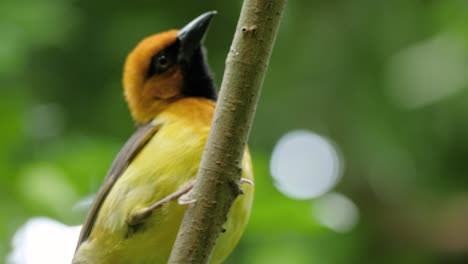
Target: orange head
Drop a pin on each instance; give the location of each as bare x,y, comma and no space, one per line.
166,67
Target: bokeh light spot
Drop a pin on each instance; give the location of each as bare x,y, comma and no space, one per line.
305,165
43,240
45,185
336,212
427,72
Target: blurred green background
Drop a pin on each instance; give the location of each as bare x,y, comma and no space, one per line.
385,80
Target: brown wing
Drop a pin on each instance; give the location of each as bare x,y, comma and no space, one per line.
131,148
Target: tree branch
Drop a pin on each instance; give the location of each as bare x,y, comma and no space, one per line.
217,184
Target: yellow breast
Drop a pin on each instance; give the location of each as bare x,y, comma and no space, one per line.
168,162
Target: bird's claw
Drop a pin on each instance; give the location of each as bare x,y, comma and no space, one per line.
248,181
182,195
245,180
186,199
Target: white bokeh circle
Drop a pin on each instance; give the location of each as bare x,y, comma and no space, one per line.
42,240
305,165
336,212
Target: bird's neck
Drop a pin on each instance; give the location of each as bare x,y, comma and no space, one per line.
196,110
198,78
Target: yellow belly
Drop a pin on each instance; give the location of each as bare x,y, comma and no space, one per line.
168,162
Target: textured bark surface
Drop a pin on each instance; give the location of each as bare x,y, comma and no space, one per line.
218,178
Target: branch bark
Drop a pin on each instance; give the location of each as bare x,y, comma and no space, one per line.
217,184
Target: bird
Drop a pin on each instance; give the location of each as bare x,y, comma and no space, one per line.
171,94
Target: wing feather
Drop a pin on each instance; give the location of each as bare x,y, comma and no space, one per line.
131,148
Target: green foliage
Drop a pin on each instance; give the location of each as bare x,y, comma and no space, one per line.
64,118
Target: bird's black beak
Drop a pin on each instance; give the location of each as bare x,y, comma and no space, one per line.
191,36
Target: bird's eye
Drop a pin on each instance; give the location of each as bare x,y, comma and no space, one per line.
163,62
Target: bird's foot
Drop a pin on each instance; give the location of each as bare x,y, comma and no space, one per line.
186,199
247,181
140,215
